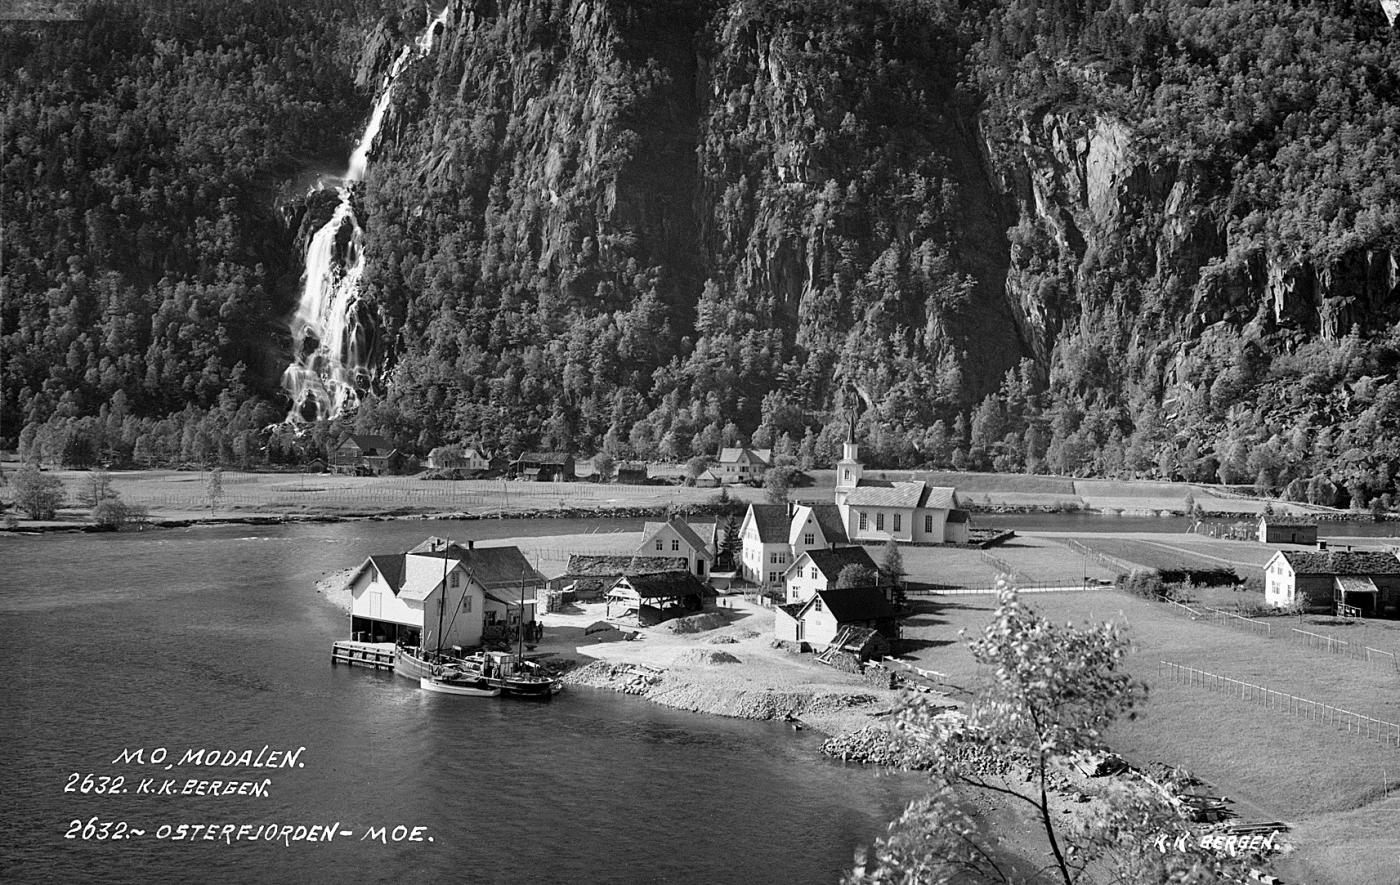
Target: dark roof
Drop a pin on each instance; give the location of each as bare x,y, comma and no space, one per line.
687,530
831,560
490,567
583,565
828,517
957,516
367,443
1277,519
857,604
792,609
772,521
666,584
390,565
1342,563
546,457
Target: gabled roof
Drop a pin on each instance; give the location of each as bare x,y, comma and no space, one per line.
878,493
831,560
1356,584
730,455
597,566
956,516
1362,562
827,518
693,534
939,498
369,443
389,565
772,522
1284,519
660,585
491,567
855,604
545,457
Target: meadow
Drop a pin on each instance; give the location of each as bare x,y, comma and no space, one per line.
1274,766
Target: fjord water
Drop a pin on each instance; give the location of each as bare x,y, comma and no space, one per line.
214,638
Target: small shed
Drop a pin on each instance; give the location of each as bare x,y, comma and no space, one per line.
1276,529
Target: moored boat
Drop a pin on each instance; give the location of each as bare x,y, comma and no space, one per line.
464,686
514,674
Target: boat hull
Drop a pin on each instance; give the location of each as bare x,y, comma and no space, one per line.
461,689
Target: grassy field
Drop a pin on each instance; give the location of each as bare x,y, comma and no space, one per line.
184,494
1157,554
1259,757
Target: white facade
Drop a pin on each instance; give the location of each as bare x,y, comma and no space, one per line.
761,561
416,605
804,580
669,539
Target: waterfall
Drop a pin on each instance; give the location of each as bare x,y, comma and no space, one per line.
332,330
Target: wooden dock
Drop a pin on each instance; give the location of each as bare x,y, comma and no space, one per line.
378,655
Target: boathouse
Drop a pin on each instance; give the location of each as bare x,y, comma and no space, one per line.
479,594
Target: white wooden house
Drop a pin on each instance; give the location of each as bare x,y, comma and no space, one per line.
1319,581
816,570
742,465
765,552
695,541
818,619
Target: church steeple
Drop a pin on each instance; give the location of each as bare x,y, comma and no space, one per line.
848,469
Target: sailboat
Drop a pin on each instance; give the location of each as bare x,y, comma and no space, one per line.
450,675
512,672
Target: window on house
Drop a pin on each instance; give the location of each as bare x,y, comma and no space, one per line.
675,545
809,539
773,558
928,524
896,521
772,577
466,603
879,522
658,544
818,604
455,580
864,523
814,573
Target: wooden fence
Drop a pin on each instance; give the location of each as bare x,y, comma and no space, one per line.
1112,563
1388,733
1278,630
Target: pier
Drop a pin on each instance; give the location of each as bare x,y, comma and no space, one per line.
378,655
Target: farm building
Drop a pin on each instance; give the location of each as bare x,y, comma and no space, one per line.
1275,529
591,575
365,455
818,620
1320,581
544,467
656,597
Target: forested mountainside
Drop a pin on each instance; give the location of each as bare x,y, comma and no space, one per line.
1100,236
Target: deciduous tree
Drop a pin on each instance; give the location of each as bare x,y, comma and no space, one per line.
1051,691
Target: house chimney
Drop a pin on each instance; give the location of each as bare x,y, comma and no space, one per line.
471,544
792,509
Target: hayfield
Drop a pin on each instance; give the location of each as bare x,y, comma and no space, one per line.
1274,765
1154,554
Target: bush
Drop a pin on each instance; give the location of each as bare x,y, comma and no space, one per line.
1146,583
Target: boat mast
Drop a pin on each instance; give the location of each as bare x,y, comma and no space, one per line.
442,597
